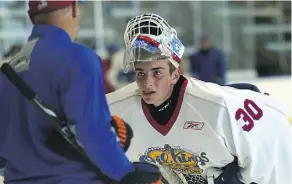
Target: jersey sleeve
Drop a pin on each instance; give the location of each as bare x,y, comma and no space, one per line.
259,135
85,106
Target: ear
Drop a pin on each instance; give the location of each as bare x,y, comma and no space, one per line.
74,9
175,76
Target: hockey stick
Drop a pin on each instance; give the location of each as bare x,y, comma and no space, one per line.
60,126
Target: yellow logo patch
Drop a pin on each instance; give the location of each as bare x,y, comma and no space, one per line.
176,158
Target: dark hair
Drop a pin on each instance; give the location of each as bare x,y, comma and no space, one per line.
171,68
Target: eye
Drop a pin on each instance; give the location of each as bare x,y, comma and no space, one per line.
156,72
140,74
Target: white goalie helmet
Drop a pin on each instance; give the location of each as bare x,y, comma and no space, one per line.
149,37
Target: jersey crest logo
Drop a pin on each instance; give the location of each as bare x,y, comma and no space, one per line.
176,158
193,125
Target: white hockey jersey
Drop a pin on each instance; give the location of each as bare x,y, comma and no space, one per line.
211,124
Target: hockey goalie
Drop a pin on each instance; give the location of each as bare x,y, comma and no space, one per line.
197,132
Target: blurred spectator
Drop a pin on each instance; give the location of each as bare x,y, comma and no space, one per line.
267,63
115,74
12,50
208,64
108,86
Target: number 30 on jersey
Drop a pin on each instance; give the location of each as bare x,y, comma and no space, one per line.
249,114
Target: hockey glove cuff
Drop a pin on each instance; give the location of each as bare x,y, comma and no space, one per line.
229,175
123,131
145,173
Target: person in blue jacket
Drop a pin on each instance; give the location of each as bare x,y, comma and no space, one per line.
68,77
6,56
208,64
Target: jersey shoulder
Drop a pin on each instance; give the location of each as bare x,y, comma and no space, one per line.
217,93
123,95
230,96
123,99
205,91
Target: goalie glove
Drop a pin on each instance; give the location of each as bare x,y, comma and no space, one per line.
170,176
145,173
230,174
123,131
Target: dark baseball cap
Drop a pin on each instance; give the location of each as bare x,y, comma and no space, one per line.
38,7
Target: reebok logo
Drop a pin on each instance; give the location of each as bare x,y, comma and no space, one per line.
193,125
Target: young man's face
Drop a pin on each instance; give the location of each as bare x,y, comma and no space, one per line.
155,81
205,44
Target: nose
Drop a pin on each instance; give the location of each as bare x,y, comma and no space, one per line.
148,82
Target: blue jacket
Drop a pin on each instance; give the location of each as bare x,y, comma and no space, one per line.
68,78
209,66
